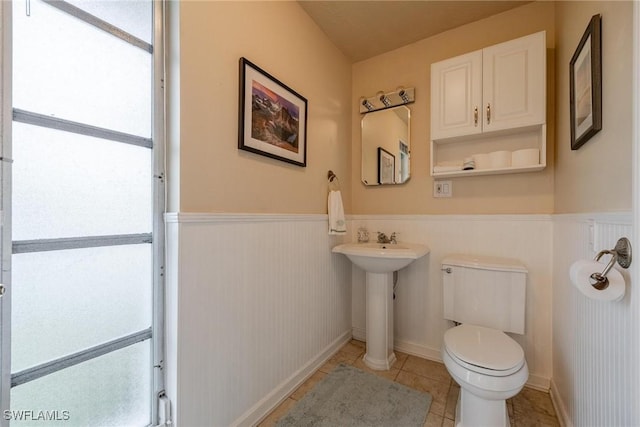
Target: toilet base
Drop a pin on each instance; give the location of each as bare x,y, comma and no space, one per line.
472,410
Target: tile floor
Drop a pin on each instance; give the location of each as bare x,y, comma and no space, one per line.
528,408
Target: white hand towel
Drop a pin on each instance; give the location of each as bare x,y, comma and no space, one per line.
337,224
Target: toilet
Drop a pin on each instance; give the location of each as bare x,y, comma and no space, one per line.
485,297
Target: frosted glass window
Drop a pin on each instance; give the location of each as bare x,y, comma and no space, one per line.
111,390
132,16
66,301
69,185
73,71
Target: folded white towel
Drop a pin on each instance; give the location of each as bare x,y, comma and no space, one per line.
337,224
438,169
450,163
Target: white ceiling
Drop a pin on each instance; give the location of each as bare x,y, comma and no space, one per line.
363,29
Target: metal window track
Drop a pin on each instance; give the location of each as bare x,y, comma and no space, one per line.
42,245
47,368
36,119
99,23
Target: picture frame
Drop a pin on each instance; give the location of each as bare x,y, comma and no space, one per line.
386,167
585,85
272,116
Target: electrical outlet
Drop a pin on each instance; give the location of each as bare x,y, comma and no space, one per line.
442,189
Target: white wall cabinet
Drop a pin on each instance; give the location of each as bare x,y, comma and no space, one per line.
496,91
456,96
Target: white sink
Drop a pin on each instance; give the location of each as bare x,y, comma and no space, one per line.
382,257
379,261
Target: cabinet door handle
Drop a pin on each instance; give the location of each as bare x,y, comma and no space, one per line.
488,113
475,116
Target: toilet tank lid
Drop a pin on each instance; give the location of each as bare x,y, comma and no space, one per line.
483,262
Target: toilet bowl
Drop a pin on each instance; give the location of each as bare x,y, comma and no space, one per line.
490,367
485,296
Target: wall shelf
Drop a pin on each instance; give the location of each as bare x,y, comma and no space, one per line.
459,148
478,172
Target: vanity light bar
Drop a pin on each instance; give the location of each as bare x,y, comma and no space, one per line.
383,100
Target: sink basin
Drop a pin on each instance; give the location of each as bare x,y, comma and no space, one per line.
382,257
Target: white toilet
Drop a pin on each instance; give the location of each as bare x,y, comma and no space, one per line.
486,295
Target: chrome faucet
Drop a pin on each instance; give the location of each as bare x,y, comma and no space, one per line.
382,238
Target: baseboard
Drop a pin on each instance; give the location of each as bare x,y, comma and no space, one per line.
359,334
418,350
538,382
403,346
265,406
559,406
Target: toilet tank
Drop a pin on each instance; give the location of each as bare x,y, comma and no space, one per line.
485,291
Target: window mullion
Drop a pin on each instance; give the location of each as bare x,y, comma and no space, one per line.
50,122
41,245
99,23
52,366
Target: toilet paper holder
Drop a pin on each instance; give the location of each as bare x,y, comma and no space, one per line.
620,254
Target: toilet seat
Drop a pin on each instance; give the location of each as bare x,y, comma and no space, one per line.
484,350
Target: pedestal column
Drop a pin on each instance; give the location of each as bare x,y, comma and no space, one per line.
379,290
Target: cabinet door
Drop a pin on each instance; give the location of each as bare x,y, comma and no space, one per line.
456,96
514,83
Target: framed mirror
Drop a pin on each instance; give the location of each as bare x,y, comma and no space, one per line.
386,146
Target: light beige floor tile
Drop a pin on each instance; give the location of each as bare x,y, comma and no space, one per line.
354,347
307,385
433,420
277,413
338,358
437,389
427,368
401,359
512,419
534,419
448,423
452,401
530,399
533,408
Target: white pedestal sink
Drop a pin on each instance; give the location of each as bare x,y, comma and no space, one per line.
379,261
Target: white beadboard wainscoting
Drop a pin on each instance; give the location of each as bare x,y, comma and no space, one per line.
595,343
255,303
418,322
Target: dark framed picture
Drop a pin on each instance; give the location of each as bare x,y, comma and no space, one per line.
273,117
386,166
586,86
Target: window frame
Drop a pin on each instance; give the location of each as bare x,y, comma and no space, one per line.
156,238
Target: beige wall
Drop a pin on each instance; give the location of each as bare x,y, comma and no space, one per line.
597,177
410,66
216,177
280,38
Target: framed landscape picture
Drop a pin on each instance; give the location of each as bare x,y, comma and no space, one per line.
272,117
586,86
